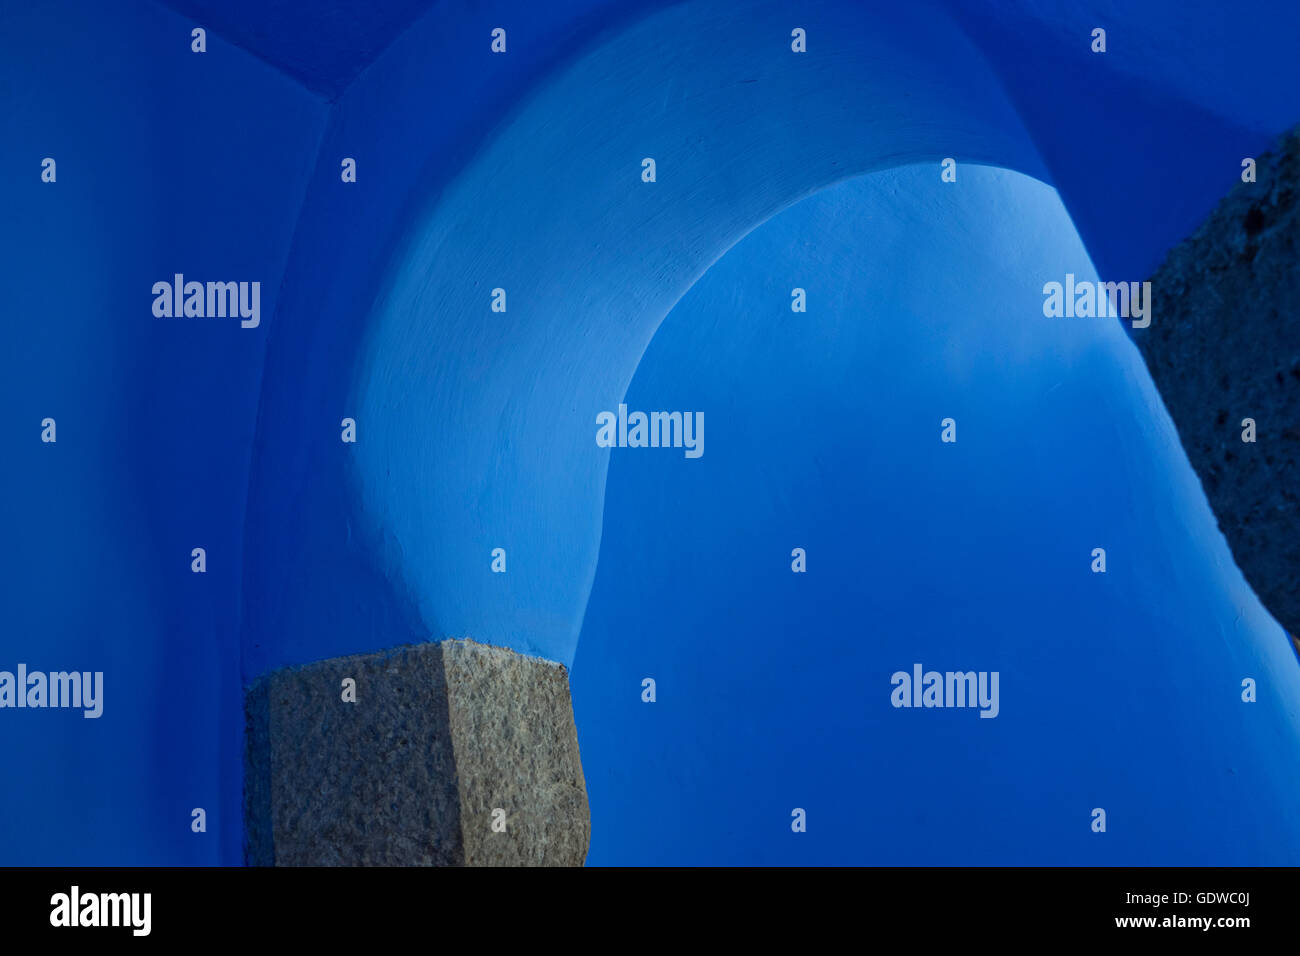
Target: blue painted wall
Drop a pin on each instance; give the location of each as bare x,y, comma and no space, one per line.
1118,690
167,161
475,428
475,425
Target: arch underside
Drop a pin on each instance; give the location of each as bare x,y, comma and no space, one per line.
476,427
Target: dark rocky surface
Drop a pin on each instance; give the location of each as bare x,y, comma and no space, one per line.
1223,346
441,736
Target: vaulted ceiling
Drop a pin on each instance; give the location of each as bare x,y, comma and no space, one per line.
324,49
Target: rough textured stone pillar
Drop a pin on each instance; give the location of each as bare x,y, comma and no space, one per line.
1223,346
440,737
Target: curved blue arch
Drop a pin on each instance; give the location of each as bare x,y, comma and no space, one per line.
477,427
474,424
1120,691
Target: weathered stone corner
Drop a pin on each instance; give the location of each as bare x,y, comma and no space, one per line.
452,754
1224,347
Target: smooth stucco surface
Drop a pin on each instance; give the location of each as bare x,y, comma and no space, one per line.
475,428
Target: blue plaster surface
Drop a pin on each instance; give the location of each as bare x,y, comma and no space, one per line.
1118,690
476,429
